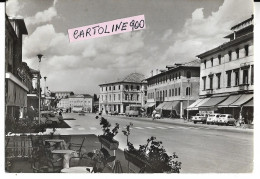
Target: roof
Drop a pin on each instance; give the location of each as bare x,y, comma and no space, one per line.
81,96
62,91
131,78
134,78
20,22
191,64
244,22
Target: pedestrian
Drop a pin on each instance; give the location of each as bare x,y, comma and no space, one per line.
153,114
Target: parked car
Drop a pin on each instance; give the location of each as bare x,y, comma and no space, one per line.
213,118
114,113
226,119
199,118
77,109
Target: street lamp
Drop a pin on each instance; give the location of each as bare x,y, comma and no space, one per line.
189,91
39,86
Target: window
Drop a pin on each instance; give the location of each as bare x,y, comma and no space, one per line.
106,97
204,82
236,77
102,88
109,88
109,97
176,91
245,76
218,80
137,97
188,74
118,87
187,91
219,59
211,82
176,76
230,55
205,64
126,96
179,91
106,88
211,62
179,75
228,78
102,97
170,77
170,93
132,87
138,88
119,97
252,74
165,93
114,97
126,87
237,52
246,50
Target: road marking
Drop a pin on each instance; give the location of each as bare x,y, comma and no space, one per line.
172,127
149,127
182,127
192,127
138,127
81,128
161,127
69,129
93,128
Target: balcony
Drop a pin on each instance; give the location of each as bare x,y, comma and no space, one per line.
209,91
159,99
243,87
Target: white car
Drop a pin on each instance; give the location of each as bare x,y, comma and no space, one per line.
226,119
213,118
199,118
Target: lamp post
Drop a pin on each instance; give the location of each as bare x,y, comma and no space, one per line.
39,86
189,91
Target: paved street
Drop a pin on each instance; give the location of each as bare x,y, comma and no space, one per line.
201,148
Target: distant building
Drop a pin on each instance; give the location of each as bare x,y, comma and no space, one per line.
173,89
115,96
227,75
17,74
79,100
63,94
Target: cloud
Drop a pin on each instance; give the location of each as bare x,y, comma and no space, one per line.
12,8
43,16
167,34
202,33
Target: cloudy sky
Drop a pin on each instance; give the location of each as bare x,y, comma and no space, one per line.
176,31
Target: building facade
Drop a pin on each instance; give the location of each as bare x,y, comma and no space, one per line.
63,94
118,95
80,100
172,90
227,74
17,74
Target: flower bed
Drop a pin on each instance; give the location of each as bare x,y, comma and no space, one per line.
111,145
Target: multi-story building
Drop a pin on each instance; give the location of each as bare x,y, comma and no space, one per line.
79,100
17,74
34,91
115,96
172,90
227,74
63,94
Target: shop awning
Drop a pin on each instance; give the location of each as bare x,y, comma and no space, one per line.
148,105
160,106
196,106
212,102
173,105
193,105
249,103
242,100
229,101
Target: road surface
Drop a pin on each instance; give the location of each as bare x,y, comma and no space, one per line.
201,148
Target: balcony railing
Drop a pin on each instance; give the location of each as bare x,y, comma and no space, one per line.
243,87
209,91
159,99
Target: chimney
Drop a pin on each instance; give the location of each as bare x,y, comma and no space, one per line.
152,73
156,71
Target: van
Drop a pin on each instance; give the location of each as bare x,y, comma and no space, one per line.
132,111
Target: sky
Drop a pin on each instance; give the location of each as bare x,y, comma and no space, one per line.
176,31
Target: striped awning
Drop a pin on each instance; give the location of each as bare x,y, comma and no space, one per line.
172,105
249,103
242,100
229,101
